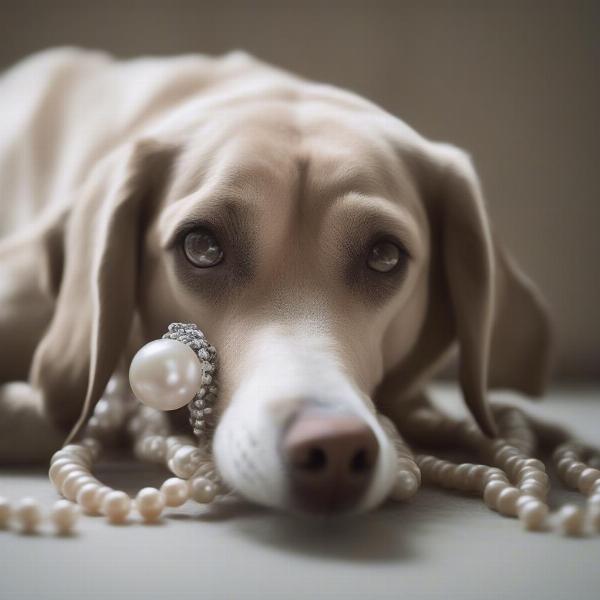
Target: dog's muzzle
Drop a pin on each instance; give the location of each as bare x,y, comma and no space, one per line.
298,435
305,459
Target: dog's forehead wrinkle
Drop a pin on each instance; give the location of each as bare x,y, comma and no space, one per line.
341,146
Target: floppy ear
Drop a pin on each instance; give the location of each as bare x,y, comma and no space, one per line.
477,294
97,295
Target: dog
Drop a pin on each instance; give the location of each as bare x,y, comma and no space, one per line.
333,256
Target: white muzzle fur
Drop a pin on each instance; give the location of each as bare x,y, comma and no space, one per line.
288,371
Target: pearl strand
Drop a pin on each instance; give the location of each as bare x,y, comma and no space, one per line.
195,475
516,484
70,469
28,515
192,465
575,473
408,476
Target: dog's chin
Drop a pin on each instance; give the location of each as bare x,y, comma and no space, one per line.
247,454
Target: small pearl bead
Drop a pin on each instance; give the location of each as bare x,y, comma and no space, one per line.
203,490
117,386
5,512
150,503
55,467
537,477
425,462
492,491
533,488
476,476
165,374
28,514
64,515
460,475
407,464
93,445
496,472
110,413
570,519
524,499
405,487
527,471
495,477
533,514
497,444
71,456
506,503
562,448
64,472
185,461
445,474
157,447
505,453
587,479
101,494
93,427
116,506
79,451
535,463
434,467
513,463
562,465
73,483
88,498
175,491
573,472
175,443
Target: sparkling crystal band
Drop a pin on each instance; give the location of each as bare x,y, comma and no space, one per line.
202,405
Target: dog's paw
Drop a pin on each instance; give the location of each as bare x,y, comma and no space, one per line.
26,435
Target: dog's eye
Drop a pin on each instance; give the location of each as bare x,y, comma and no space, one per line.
385,256
202,248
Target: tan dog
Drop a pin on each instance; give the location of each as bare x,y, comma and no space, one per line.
329,252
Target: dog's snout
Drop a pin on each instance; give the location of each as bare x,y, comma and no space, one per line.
330,460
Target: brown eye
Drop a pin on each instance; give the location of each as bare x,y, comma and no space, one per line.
384,256
202,248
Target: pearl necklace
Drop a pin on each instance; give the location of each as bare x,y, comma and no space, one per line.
515,484
195,475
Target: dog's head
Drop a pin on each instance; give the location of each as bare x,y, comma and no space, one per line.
330,253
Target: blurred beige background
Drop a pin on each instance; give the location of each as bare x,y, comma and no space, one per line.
515,83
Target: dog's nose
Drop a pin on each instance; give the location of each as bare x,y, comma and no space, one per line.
330,459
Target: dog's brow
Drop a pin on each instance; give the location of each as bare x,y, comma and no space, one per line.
231,214
375,212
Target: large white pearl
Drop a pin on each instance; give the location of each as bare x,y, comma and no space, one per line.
165,374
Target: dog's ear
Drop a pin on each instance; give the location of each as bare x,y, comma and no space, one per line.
477,296
98,287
